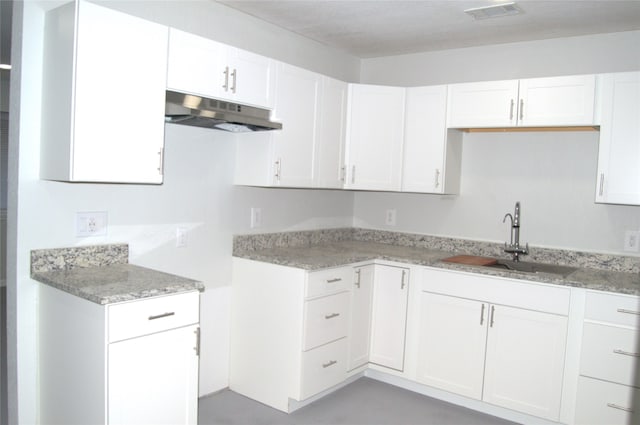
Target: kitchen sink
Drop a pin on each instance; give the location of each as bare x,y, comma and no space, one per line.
527,267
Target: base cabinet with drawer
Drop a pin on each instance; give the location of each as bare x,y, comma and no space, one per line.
127,363
288,331
609,382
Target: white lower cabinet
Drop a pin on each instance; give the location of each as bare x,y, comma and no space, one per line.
129,363
609,383
360,316
389,316
510,356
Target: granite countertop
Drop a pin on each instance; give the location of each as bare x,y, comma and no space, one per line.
330,254
102,274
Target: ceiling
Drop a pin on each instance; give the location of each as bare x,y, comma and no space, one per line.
377,28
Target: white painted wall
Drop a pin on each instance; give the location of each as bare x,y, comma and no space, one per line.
552,174
197,194
615,52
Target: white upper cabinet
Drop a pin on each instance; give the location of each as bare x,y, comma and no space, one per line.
297,109
557,101
91,131
330,143
431,153
619,152
375,132
535,102
484,104
201,66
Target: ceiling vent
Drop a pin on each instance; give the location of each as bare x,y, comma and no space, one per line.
495,11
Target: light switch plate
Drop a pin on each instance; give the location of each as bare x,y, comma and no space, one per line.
91,223
632,241
256,217
390,217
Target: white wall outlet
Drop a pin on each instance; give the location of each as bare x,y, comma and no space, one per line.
256,217
632,241
91,223
182,237
390,217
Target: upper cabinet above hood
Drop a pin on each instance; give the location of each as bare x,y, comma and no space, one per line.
187,109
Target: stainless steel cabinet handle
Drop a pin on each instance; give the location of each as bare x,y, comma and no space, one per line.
437,182
357,282
601,190
343,173
521,109
482,315
493,310
626,353
234,74
331,363
511,111
160,161
225,86
615,406
404,273
278,169
331,316
160,316
624,310
197,347
353,174
337,279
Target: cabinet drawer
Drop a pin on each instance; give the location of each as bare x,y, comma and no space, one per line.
323,368
610,353
136,318
601,402
613,308
327,282
325,320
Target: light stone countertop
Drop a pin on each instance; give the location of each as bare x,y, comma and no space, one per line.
116,283
103,275
340,253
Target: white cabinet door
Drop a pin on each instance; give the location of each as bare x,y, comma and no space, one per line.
431,153
360,317
201,66
389,316
92,131
557,101
619,151
484,104
525,361
154,379
196,64
375,131
251,79
452,343
330,167
297,108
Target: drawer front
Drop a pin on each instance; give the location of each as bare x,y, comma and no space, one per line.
323,368
325,320
613,308
610,353
327,282
136,318
601,402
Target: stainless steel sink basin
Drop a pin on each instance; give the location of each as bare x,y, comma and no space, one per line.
523,266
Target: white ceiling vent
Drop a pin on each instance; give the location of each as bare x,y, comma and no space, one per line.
495,11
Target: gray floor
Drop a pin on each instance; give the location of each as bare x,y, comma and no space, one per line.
363,402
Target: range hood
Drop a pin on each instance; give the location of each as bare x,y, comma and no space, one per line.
188,109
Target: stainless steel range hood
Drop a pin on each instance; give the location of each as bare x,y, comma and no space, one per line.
188,109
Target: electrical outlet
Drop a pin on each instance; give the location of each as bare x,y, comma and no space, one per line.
256,217
632,241
390,217
181,237
92,223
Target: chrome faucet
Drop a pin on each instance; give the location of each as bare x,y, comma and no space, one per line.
514,244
